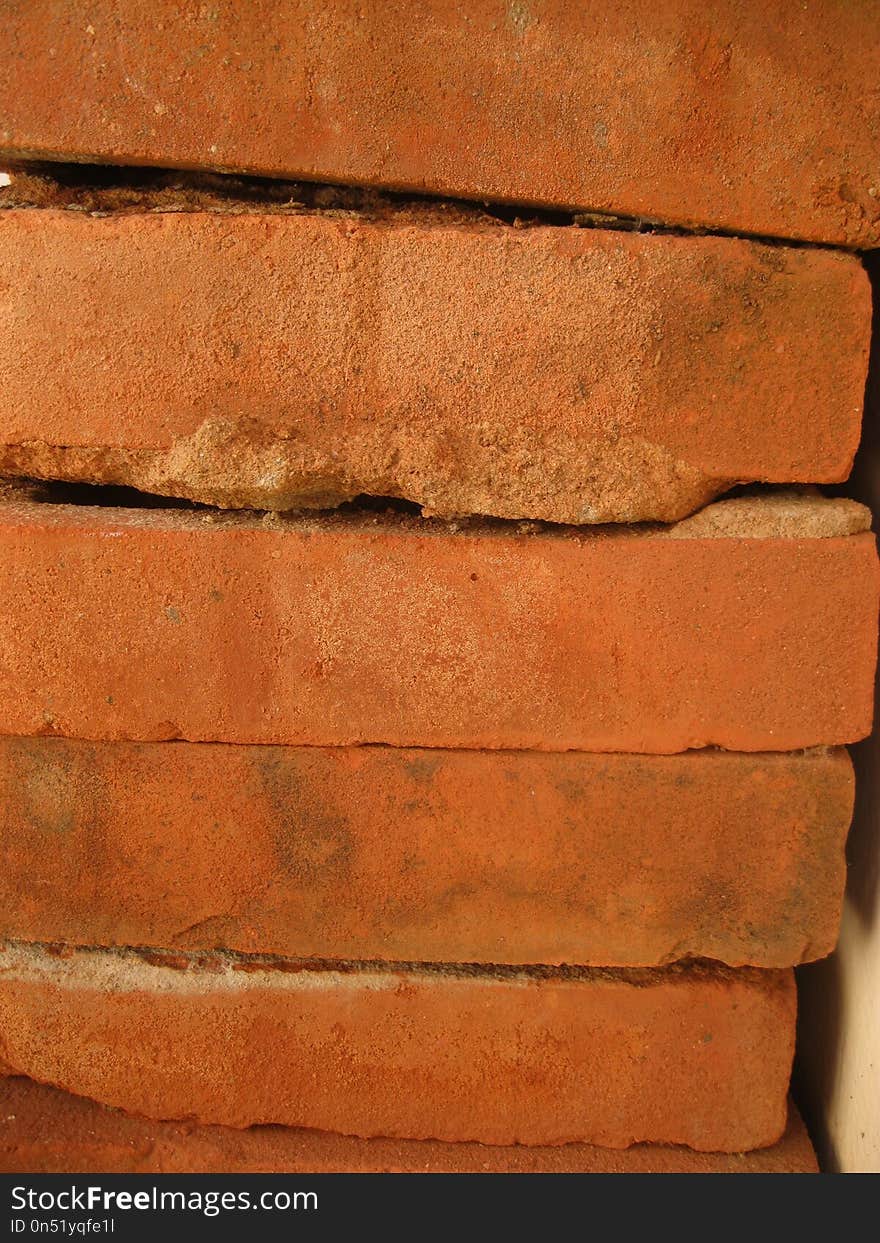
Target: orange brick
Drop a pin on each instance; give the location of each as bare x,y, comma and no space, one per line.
424,856
281,361
698,1056
758,118
44,1131
752,626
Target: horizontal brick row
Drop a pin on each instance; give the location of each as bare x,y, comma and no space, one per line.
416,855
752,626
698,1056
44,1131
755,118
282,361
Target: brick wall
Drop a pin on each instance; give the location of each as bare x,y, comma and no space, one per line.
427,663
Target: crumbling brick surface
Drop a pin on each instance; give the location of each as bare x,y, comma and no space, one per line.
44,1131
757,118
695,1055
296,360
415,855
358,628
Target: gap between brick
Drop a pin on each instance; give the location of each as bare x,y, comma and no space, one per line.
103,190
219,961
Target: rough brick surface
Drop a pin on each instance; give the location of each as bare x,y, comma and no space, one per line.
697,1055
44,1131
751,117
283,361
350,628
434,856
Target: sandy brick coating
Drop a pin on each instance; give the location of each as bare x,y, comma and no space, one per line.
756,118
287,361
344,629
698,1056
433,856
44,1131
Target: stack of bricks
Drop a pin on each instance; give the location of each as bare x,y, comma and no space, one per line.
481,829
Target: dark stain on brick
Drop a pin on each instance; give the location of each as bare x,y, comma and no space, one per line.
422,768
312,843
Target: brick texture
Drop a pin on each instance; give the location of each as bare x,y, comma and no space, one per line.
424,856
44,1131
755,118
752,627
282,361
699,1056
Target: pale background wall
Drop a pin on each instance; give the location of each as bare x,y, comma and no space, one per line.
838,1072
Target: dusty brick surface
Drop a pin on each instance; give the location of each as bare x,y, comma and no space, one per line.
44,1131
698,1056
752,118
287,361
426,856
354,628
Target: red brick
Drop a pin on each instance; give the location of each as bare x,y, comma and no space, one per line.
277,361
752,627
424,856
44,1131
755,118
698,1056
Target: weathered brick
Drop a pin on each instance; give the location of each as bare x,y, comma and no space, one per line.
752,626
424,856
749,117
698,1056
44,1131
282,361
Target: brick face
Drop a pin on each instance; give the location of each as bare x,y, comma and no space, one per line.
556,373
44,1131
751,118
155,625
697,1056
425,856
